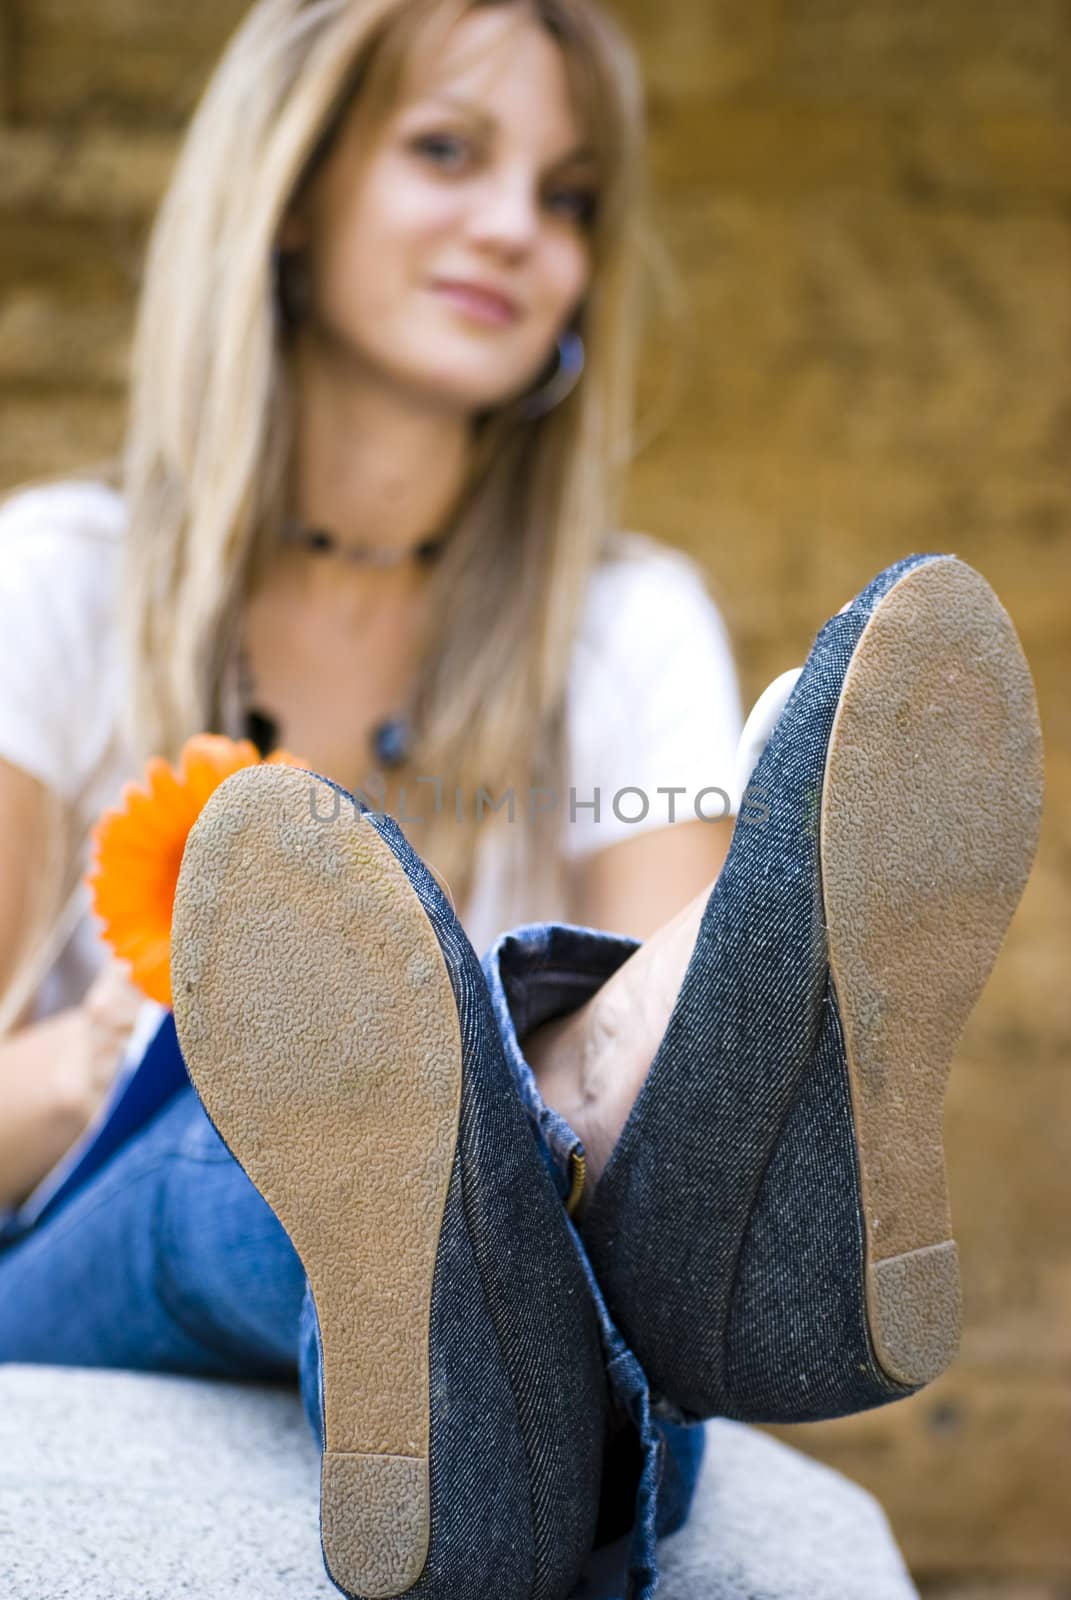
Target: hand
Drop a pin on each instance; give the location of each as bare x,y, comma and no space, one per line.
107,1016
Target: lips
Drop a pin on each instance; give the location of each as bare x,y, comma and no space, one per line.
486,304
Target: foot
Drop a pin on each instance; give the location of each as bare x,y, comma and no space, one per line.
591,1064
335,1022
772,1230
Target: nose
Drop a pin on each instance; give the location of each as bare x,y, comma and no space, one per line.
505,214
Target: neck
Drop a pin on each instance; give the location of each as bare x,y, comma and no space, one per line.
374,464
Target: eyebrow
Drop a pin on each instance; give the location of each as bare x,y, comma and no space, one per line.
580,152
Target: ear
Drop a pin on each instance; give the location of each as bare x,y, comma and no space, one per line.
294,230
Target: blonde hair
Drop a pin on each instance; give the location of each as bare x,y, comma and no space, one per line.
209,436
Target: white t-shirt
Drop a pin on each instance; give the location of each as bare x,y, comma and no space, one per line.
652,699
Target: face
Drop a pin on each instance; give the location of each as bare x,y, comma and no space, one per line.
477,178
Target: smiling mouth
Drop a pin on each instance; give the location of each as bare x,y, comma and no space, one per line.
486,309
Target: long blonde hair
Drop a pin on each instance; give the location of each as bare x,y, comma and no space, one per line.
203,472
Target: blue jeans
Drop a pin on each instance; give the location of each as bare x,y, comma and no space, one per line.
169,1260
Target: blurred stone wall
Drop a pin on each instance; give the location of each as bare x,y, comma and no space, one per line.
869,203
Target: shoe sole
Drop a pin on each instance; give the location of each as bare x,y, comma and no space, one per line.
318,1023
930,815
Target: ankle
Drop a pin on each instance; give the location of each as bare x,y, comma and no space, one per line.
580,1067
553,1056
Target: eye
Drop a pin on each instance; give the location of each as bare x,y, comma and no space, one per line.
433,144
582,204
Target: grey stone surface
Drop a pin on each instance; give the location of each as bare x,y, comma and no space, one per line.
122,1486
771,1524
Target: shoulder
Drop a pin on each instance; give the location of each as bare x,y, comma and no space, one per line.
648,604
59,584
652,698
73,513
59,550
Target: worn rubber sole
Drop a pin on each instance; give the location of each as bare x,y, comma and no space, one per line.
930,816
318,1023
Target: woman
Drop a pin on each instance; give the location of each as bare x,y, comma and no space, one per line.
367,514
484,1424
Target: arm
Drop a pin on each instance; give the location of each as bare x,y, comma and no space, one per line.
637,885
653,708
37,1122
41,1111
53,1073
58,546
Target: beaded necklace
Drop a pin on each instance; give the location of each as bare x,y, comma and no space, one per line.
391,738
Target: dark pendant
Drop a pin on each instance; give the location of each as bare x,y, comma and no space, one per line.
429,550
390,741
262,730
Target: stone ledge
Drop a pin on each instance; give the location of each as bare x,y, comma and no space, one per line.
127,1486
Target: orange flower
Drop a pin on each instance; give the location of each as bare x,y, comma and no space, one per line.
137,851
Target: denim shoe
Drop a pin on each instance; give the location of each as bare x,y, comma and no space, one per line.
337,1026
772,1232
